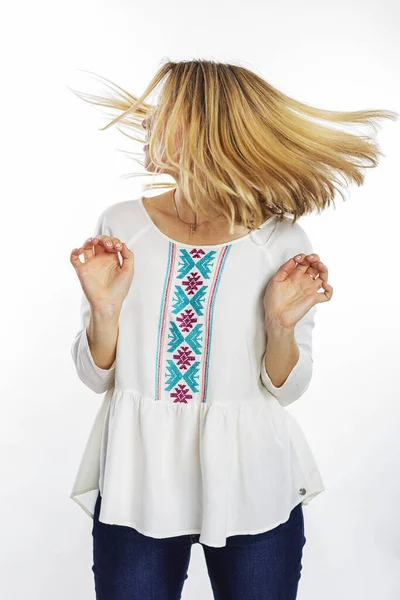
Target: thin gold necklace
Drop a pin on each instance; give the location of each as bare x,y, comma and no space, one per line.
192,226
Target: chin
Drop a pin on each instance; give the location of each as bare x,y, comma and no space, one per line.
149,166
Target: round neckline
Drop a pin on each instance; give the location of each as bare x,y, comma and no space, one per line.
220,245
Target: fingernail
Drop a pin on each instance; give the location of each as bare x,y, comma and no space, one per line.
108,243
118,245
298,257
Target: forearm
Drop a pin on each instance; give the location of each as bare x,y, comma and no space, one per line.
287,364
102,334
281,354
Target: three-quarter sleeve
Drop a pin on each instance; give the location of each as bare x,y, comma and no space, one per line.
295,241
97,379
299,377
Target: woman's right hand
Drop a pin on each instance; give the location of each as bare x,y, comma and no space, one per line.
104,281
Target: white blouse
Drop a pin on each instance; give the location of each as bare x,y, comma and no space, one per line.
191,435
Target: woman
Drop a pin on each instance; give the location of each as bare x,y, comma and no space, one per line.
197,318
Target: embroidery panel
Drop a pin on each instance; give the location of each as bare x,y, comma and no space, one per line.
185,326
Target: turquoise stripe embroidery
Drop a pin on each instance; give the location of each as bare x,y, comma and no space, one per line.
205,386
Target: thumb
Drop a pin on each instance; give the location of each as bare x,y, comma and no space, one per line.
285,270
127,258
74,258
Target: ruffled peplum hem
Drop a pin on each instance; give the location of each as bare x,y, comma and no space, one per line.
216,469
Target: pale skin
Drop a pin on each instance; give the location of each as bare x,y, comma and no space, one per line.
289,295
105,284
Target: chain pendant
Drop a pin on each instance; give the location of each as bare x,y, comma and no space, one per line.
192,229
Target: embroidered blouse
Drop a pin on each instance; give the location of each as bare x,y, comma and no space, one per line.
191,435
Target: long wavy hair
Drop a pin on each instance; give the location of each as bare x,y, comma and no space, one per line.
253,151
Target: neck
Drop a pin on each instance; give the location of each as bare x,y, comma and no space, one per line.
186,213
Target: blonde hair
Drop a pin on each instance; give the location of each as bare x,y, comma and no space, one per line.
253,151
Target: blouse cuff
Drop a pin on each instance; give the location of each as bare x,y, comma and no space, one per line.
295,384
97,379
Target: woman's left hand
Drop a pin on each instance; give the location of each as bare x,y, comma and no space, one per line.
293,290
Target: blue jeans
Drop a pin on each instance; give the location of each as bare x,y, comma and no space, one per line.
128,565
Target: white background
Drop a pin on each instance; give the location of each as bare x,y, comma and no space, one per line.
60,171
